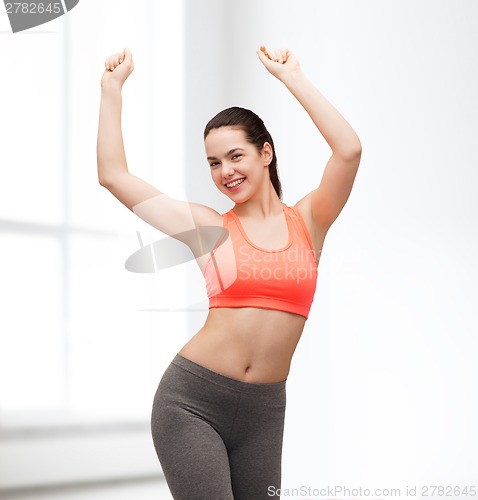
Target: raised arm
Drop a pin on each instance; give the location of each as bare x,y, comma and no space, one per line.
173,217
328,199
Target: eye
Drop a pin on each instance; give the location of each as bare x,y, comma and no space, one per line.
237,154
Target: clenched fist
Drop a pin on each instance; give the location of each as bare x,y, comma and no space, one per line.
279,62
118,67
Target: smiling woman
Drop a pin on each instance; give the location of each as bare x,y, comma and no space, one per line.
218,413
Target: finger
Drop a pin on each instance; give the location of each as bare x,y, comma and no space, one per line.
264,50
109,62
127,54
273,55
283,52
123,55
262,56
277,56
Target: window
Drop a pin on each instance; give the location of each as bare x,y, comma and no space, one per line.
81,339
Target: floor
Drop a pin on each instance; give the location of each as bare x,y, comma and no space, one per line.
140,490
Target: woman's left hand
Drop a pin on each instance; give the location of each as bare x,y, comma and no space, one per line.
279,62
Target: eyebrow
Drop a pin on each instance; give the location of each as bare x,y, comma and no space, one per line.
227,154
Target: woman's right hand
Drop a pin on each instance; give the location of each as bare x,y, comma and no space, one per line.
118,67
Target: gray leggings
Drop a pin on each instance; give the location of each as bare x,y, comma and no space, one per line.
216,437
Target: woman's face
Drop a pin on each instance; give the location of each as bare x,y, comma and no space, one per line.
231,157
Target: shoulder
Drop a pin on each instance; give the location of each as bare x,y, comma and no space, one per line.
316,233
304,207
204,215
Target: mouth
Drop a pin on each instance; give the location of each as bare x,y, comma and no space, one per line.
234,185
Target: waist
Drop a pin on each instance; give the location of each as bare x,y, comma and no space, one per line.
249,344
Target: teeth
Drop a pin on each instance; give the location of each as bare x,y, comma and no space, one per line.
239,181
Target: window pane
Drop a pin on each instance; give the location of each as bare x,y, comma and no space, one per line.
32,128
152,104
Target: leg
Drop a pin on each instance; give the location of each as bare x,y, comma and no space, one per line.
255,459
191,452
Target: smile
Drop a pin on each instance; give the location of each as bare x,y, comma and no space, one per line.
236,183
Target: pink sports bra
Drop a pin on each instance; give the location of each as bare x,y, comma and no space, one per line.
241,274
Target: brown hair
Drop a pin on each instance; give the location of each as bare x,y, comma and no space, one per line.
255,131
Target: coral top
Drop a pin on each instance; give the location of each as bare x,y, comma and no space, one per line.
241,274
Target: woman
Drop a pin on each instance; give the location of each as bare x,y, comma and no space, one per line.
218,414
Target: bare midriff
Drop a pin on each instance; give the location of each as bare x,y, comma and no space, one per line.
246,343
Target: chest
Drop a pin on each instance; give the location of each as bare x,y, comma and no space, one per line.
274,235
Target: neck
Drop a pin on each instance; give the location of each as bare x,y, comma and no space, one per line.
266,204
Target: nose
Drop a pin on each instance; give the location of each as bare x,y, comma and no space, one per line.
227,170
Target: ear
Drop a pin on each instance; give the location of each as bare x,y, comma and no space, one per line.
267,152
